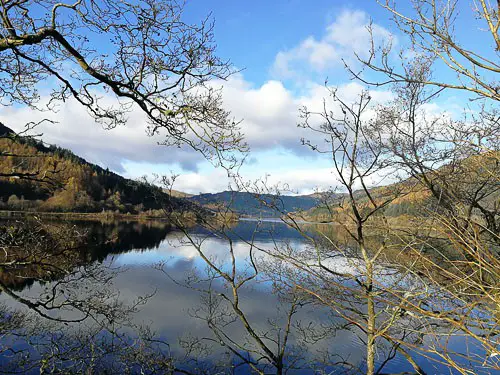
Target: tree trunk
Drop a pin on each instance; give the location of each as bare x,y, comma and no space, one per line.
370,339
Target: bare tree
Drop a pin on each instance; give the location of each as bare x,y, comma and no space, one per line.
142,53
351,141
456,243
145,57
349,274
409,285
455,160
265,346
430,26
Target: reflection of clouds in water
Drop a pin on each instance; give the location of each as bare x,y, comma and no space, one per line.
342,264
175,247
168,311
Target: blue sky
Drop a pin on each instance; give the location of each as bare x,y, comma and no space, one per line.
286,49
251,33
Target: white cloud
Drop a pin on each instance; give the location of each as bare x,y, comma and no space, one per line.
305,181
269,113
348,35
211,181
318,54
351,30
76,130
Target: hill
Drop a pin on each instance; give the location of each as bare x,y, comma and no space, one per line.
37,177
57,180
470,183
177,193
411,201
248,204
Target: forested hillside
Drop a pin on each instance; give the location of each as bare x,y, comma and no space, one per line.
411,203
471,178
55,179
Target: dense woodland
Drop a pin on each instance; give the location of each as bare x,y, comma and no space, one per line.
61,181
471,179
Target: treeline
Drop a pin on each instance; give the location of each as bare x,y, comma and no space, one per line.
60,181
412,202
463,180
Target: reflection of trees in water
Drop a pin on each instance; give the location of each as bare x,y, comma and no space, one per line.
120,237
292,332
46,252
31,344
74,320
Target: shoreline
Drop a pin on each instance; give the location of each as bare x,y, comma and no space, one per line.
8,214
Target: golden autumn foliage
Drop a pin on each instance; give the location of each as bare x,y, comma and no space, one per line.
477,175
57,180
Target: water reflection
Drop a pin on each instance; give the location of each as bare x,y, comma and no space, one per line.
178,314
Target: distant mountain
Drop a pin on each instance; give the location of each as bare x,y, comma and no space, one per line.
55,179
248,204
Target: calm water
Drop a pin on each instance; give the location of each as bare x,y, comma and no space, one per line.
155,260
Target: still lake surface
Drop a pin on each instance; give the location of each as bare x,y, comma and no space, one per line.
137,250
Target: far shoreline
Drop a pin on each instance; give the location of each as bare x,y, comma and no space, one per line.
109,216
97,216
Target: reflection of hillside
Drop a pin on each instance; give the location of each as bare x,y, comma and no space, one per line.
63,246
120,237
98,240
